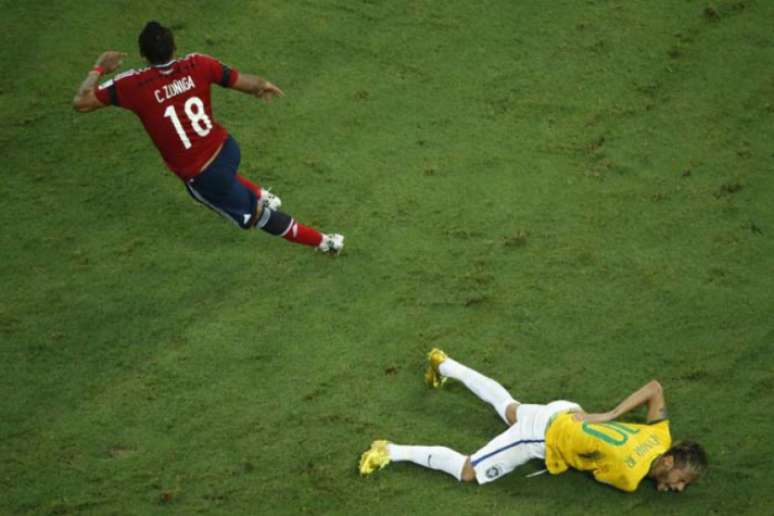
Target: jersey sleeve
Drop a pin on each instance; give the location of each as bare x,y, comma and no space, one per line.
107,93
217,72
119,91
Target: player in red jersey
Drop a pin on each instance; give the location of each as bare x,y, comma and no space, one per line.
172,99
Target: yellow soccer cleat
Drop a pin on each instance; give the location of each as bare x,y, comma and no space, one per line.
376,457
433,376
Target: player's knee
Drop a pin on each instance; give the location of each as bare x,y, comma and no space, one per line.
249,223
256,218
510,413
468,473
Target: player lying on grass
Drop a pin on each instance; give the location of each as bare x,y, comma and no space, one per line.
561,434
172,99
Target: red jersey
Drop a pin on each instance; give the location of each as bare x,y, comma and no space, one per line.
173,103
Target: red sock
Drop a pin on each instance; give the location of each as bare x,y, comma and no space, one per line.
301,234
256,189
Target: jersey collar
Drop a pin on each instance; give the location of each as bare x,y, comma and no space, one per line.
165,65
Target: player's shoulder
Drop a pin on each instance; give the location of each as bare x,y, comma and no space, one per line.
662,425
661,429
124,77
659,423
198,56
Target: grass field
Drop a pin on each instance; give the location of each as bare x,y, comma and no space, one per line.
571,196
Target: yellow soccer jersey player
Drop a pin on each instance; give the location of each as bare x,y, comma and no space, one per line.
619,454
558,432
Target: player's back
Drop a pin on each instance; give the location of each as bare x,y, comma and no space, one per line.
173,103
617,453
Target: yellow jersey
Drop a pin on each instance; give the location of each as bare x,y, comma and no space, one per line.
619,454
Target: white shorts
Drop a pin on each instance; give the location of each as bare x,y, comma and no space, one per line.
522,442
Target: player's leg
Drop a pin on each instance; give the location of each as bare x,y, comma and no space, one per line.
294,231
281,224
520,443
441,367
439,458
264,196
468,472
512,448
220,188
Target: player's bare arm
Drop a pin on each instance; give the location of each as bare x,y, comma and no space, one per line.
257,86
85,100
650,393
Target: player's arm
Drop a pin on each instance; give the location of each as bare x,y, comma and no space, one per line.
86,100
257,86
651,394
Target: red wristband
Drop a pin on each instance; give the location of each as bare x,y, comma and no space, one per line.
98,69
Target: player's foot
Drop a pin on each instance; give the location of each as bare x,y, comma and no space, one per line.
270,200
332,244
433,376
374,458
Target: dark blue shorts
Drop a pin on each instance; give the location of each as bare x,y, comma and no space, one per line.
218,188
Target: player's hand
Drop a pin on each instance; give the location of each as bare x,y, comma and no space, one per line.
111,60
593,418
268,91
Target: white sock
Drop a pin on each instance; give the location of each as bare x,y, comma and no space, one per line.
434,457
483,387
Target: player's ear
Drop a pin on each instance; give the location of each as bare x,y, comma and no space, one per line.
668,462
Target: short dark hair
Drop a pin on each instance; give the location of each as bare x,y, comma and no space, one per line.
157,44
689,455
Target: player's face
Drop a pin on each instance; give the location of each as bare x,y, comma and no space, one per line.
675,479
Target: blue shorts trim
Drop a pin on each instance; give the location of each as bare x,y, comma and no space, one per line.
508,447
218,188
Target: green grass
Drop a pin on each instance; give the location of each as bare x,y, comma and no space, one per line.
572,197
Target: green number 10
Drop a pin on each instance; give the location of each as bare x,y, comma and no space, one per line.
618,428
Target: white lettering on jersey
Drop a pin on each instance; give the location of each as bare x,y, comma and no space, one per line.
174,88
